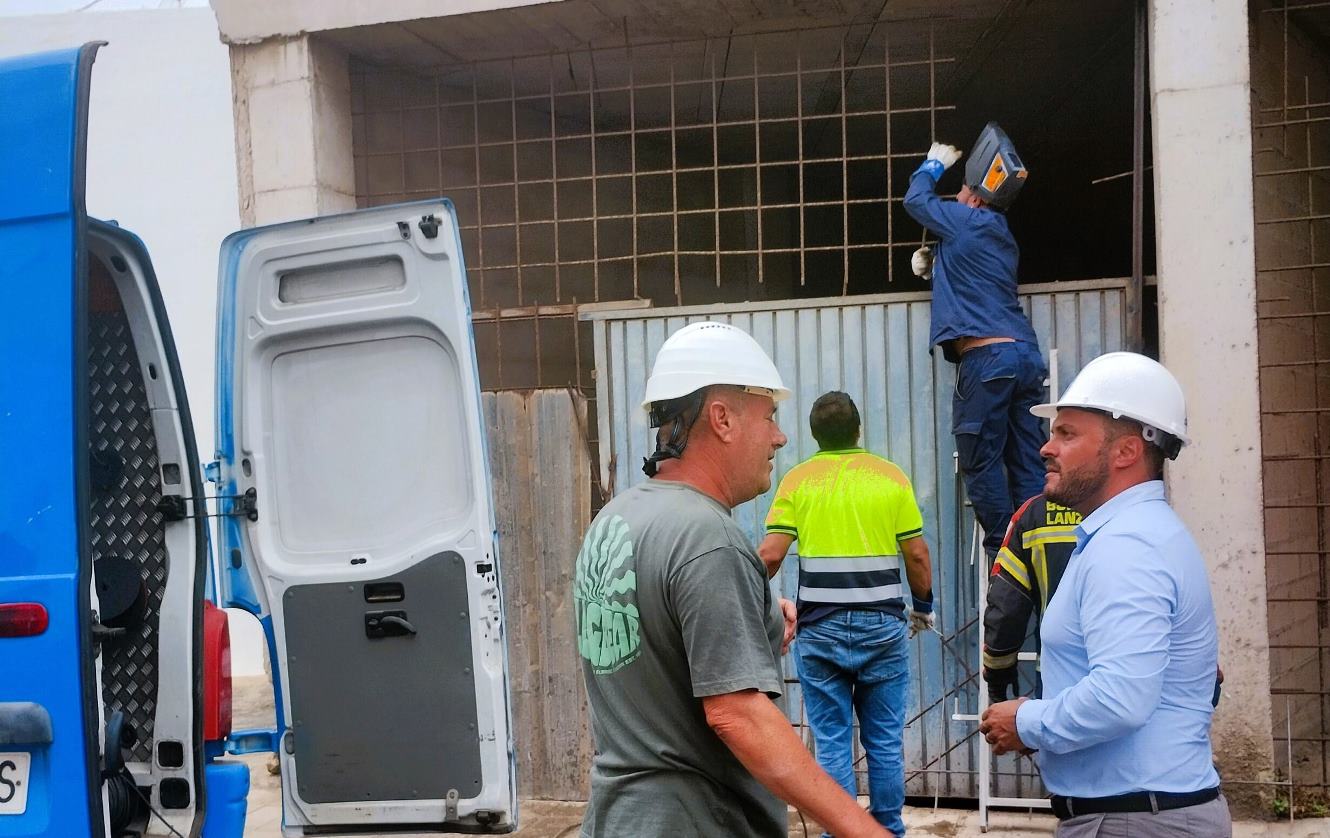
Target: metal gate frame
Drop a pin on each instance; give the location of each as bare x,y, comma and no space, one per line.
905,406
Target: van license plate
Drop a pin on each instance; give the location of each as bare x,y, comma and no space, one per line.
14,782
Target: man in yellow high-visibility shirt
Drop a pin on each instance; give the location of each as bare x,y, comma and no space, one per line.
855,516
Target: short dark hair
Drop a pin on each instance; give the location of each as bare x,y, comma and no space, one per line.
834,421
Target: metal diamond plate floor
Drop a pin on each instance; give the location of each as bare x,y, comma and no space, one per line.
124,518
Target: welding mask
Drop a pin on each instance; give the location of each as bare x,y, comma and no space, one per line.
994,172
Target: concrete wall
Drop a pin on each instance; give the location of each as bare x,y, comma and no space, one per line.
1294,387
1200,103
253,21
161,162
292,130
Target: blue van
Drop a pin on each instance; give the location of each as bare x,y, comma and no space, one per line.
351,493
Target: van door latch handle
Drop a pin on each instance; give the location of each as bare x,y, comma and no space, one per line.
380,624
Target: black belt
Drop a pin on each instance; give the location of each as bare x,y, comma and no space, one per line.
1137,801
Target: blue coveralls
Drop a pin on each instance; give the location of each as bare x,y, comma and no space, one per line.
974,295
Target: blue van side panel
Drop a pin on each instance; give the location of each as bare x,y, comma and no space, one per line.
43,503
37,128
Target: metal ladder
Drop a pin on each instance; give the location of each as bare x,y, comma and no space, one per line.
987,799
979,562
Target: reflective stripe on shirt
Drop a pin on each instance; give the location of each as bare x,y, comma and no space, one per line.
860,580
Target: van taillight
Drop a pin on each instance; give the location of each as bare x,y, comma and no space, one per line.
216,674
23,619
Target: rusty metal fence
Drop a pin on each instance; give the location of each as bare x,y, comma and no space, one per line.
1291,164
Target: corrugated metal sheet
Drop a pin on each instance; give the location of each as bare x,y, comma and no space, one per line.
876,349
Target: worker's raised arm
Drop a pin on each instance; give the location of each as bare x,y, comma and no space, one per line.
941,218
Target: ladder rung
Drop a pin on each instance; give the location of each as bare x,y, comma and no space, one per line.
1020,802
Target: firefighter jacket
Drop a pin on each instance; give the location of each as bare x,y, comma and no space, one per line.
1025,575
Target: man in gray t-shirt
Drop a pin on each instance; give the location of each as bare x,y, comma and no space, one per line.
679,632
673,605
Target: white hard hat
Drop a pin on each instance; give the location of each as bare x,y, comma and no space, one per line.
702,354
1130,385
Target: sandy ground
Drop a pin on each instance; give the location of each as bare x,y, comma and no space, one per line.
559,819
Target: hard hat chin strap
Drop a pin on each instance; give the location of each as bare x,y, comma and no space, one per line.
680,414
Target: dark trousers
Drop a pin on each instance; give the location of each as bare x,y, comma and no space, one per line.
997,438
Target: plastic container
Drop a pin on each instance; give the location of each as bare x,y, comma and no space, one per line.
228,788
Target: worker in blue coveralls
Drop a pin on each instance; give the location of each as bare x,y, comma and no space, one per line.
979,323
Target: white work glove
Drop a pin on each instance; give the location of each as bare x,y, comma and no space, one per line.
922,616
944,154
922,262
919,621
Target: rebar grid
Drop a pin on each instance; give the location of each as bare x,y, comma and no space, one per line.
718,169
577,181
1292,324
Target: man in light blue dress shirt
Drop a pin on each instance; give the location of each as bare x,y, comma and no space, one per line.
1130,646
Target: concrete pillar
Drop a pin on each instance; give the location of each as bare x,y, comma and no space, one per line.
1201,109
292,99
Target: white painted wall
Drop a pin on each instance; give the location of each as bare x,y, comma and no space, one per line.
161,162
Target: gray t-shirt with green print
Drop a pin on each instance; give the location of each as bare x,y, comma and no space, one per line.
673,605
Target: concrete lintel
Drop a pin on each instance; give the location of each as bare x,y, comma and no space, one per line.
252,21
1201,115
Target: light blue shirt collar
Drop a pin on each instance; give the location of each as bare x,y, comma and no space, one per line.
1141,492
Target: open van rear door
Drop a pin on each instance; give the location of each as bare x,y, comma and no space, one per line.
357,519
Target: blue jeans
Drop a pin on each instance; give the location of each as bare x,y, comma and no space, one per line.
856,662
997,439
